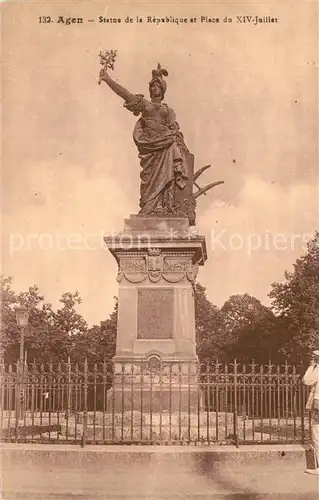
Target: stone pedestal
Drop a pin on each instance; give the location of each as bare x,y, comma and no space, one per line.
158,259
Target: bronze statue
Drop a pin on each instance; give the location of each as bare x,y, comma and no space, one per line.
167,165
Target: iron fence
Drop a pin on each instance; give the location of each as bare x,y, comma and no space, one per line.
166,403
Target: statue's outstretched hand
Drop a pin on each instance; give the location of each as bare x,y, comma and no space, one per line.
103,75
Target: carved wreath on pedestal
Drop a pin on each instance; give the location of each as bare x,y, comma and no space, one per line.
155,266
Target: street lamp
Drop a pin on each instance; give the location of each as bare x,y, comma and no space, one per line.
22,317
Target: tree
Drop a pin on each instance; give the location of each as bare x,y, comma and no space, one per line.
40,322
249,328
241,312
99,342
50,335
296,302
258,341
208,324
69,326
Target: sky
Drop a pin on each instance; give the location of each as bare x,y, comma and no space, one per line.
246,100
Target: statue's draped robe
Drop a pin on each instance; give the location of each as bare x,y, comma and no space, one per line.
162,154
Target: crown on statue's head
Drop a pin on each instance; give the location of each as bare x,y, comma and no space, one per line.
159,71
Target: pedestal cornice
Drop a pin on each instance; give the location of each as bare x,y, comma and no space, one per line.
171,236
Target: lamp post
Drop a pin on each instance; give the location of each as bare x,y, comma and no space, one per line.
22,317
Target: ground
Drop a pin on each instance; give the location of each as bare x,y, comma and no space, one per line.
154,473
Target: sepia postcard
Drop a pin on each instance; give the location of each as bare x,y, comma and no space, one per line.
160,265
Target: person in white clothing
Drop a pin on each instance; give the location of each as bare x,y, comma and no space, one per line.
311,378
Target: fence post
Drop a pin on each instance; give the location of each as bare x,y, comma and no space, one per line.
235,406
302,403
85,414
68,411
17,388
302,411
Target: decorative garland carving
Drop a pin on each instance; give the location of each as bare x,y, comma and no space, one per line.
154,266
133,269
175,265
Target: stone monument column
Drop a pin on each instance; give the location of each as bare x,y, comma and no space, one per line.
158,260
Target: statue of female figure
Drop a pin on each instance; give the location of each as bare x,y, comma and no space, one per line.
162,151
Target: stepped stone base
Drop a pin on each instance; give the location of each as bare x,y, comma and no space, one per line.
155,385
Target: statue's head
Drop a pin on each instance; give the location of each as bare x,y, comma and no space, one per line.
157,85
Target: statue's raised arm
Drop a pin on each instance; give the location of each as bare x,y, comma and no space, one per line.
116,87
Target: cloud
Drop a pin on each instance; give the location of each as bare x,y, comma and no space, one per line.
251,244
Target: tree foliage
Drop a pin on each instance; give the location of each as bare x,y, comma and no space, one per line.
99,342
208,324
296,303
41,326
53,335
242,328
248,326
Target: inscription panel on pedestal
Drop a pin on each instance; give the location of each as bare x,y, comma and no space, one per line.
155,313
